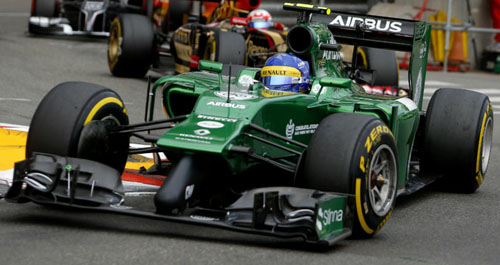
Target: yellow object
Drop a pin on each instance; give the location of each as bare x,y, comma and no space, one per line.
12,149
457,49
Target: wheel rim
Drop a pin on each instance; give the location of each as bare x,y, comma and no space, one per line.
383,175
486,145
114,44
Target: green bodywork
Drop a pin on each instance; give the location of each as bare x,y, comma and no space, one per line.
214,124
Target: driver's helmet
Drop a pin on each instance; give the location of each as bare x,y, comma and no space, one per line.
286,72
259,19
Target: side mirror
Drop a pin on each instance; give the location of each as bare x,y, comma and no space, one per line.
336,82
213,67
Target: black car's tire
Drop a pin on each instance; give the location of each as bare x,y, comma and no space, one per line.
177,10
383,62
230,47
131,45
44,8
149,8
458,138
66,111
355,154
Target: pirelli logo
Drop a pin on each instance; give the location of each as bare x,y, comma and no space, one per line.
280,70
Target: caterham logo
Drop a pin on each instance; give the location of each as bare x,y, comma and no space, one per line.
381,25
290,128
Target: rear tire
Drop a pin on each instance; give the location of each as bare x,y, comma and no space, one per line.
355,154
458,138
175,15
131,45
64,112
383,62
44,8
230,47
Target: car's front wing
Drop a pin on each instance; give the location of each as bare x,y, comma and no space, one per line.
286,212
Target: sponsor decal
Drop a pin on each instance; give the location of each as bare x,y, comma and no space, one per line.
93,6
316,88
203,218
202,132
235,95
280,70
330,217
418,87
196,136
239,21
210,124
246,80
290,128
226,105
294,130
188,192
375,136
192,140
331,55
213,118
423,49
274,93
370,23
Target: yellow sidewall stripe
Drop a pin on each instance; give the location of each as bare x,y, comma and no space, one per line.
363,56
479,173
359,208
99,105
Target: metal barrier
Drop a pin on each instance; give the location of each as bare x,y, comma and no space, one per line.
467,27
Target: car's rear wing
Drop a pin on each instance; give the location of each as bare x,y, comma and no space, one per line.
377,32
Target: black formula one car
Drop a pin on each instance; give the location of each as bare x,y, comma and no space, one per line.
137,45
86,17
321,165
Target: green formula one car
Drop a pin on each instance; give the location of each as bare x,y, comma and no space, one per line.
322,165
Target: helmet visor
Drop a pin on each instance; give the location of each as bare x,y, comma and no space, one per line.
279,80
259,24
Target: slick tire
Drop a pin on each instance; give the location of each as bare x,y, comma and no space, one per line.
355,154
177,14
131,45
229,47
384,64
148,6
44,8
458,138
67,110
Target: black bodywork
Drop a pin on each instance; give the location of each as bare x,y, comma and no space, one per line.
83,17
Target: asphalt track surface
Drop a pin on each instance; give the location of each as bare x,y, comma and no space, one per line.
429,227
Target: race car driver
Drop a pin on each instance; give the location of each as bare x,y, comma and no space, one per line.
287,73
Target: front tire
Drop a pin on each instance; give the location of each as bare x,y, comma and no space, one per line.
458,138
226,47
44,8
355,154
130,45
64,112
